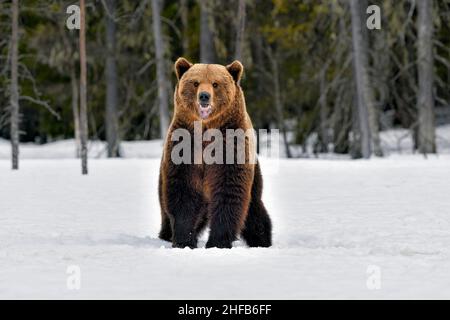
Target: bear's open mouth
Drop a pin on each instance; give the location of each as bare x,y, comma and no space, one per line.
204,110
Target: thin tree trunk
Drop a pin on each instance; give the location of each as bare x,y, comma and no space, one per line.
258,50
240,30
425,101
259,61
369,94
355,146
112,122
207,47
14,94
323,112
381,65
184,23
163,97
361,79
279,105
83,84
374,124
75,110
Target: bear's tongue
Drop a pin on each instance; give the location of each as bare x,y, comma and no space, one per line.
204,110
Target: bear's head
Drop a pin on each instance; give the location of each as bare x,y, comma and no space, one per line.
207,90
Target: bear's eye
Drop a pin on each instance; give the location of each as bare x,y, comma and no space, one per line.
196,84
215,84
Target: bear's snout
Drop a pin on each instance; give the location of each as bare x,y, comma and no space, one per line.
204,104
204,97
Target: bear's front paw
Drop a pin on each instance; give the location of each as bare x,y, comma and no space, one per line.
218,244
166,236
184,244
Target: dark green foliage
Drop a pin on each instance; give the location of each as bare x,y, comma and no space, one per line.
307,37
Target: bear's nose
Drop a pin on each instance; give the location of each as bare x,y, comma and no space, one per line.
204,97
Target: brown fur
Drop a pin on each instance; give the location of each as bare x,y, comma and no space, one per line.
227,196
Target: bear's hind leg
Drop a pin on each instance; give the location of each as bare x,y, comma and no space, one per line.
166,228
257,230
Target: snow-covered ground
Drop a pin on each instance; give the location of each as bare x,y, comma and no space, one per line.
332,221
65,149
341,227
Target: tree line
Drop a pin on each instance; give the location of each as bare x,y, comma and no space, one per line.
313,69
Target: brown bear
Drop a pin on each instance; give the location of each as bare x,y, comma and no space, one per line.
227,197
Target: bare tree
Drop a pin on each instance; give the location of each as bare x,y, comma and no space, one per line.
75,109
361,79
279,107
425,100
240,30
381,70
207,47
184,12
163,96
323,113
369,92
83,88
111,116
72,69
14,94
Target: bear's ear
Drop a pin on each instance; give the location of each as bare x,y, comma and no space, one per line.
181,66
236,69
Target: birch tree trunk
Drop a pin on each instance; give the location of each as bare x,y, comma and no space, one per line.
425,100
75,110
184,23
14,94
207,47
361,79
382,67
258,60
323,113
240,30
111,118
279,104
163,96
355,147
369,91
83,99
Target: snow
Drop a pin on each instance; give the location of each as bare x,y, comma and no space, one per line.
65,149
334,221
399,141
